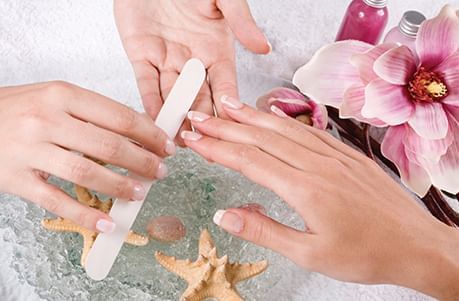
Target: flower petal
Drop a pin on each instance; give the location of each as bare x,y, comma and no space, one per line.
292,107
429,120
365,61
387,102
352,105
319,115
430,150
453,114
396,66
329,73
412,175
445,174
449,69
438,38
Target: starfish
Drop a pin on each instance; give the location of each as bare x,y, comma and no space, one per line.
89,236
210,276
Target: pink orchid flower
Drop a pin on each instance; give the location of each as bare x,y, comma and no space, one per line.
415,94
295,105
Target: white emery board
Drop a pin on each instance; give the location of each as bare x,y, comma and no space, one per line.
124,212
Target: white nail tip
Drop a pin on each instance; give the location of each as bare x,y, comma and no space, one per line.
270,48
105,226
218,217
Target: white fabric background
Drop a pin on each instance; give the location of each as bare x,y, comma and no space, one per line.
76,41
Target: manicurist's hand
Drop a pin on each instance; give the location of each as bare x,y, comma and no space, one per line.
160,36
42,124
361,226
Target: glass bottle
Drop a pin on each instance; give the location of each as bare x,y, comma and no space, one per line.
365,20
406,32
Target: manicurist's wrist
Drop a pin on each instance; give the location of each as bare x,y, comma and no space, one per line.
439,265
451,257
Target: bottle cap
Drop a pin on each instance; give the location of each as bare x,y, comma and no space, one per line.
376,3
411,22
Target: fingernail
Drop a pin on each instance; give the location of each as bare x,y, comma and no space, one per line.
253,207
105,226
170,149
270,47
231,102
139,193
162,171
198,116
278,112
229,221
190,136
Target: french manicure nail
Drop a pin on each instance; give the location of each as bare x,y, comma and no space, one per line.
278,112
229,221
190,136
162,171
218,217
170,149
231,102
105,226
198,116
139,193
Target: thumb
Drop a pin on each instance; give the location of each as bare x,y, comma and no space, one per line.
253,226
240,20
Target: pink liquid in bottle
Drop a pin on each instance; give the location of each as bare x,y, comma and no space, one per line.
365,20
406,32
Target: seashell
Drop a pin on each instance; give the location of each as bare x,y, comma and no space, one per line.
166,229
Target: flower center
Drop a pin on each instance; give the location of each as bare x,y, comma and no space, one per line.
305,118
427,86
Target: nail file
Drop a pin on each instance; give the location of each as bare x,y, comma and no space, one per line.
124,212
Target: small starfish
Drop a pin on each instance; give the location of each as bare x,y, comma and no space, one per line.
210,276
89,236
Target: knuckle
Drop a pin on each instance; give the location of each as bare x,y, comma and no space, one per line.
150,165
83,218
126,120
111,147
158,136
248,154
79,171
33,123
48,199
123,189
292,127
225,86
261,232
55,89
263,137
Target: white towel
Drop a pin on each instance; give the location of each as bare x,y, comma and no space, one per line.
77,41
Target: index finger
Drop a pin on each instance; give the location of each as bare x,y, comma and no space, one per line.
115,117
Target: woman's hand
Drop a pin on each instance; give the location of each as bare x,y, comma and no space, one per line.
160,36
361,226
40,126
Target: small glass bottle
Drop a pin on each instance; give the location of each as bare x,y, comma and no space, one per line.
406,32
365,20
